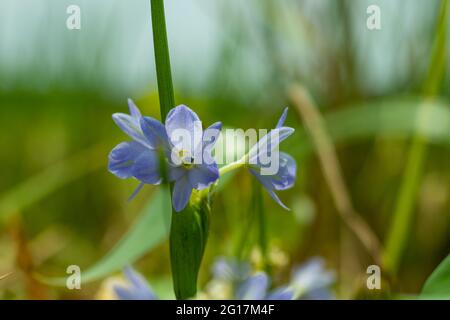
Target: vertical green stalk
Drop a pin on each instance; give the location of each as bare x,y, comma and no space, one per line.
189,228
403,214
262,225
245,232
188,237
162,58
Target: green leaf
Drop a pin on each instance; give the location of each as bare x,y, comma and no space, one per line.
403,213
437,285
188,237
150,229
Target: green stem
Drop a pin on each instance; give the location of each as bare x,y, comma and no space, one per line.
162,58
247,223
233,166
262,226
189,228
403,214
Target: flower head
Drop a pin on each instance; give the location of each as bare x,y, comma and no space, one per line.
191,165
236,278
275,170
137,288
181,142
256,288
137,158
312,281
230,270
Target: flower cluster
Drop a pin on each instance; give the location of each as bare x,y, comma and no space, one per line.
235,280
180,152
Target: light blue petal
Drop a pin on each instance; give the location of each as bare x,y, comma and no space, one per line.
184,121
230,270
181,193
146,167
137,289
123,293
267,184
134,110
130,124
268,143
282,293
277,200
135,279
211,135
285,177
176,172
155,132
312,276
254,288
136,191
319,294
123,157
282,118
202,176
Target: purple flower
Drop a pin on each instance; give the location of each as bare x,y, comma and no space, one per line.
191,165
312,281
137,158
256,288
230,270
137,288
245,285
183,143
275,170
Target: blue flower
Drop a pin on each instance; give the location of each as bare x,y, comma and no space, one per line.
230,270
137,158
309,281
244,284
136,289
312,281
263,158
183,143
191,165
256,288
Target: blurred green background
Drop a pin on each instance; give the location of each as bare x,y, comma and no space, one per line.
232,61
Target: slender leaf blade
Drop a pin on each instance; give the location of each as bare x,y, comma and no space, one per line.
437,285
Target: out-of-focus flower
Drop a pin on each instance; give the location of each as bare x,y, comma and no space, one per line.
135,289
181,142
256,288
312,281
230,270
234,280
258,161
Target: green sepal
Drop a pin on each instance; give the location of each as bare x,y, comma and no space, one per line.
188,237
